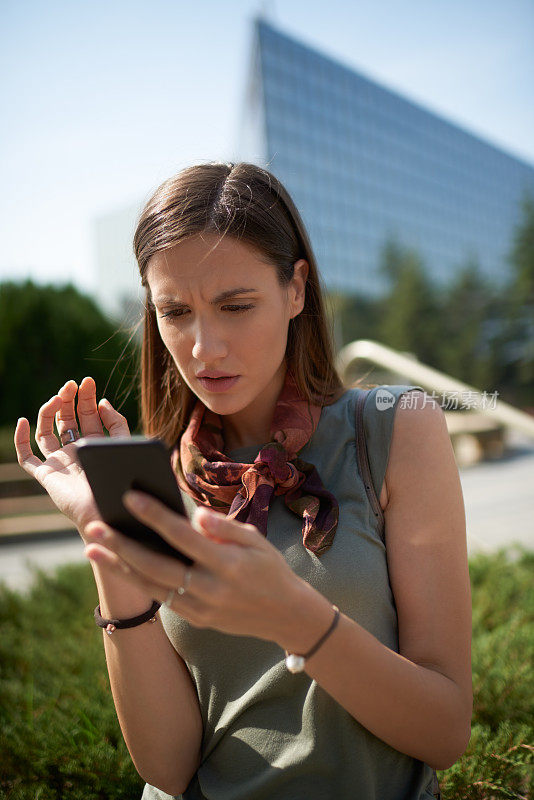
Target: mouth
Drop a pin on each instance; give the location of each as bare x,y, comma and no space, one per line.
220,384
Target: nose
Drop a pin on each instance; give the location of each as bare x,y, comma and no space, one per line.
209,345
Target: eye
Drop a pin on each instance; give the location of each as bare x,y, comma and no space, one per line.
237,309
175,312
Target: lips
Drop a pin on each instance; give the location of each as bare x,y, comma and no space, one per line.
214,374
217,384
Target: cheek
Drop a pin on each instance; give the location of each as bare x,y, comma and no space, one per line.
173,341
269,335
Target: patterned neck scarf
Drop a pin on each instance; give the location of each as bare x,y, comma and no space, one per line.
244,491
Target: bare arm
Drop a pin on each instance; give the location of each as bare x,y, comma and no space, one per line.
154,695
155,699
419,700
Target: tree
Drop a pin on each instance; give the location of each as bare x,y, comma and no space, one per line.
519,313
409,311
355,317
49,334
521,256
470,329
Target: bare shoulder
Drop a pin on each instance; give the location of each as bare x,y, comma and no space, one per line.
426,546
419,425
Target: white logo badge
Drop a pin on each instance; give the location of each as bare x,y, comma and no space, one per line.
384,399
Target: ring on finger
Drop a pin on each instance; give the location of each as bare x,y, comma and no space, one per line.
68,436
187,581
181,590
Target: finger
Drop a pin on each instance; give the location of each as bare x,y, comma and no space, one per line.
105,557
115,423
88,415
188,605
219,527
156,567
66,416
174,528
27,460
45,437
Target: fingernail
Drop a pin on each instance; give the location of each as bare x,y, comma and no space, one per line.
97,533
94,556
208,515
134,499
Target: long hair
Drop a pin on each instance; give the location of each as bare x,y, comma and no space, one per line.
249,204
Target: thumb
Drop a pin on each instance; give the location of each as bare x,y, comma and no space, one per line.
217,526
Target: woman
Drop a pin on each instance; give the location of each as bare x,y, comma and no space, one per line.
238,377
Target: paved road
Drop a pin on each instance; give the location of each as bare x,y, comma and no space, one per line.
498,496
499,501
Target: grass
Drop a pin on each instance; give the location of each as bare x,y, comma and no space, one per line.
59,734
60,737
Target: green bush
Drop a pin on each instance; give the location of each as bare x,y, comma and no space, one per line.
60,736
498,761
7,447
50,334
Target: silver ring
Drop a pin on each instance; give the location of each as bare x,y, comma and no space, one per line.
187,581
168,601
72,435
181,590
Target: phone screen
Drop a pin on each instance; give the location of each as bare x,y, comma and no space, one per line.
115,464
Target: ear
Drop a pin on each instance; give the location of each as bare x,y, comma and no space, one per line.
297,287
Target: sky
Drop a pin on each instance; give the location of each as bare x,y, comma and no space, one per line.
103,101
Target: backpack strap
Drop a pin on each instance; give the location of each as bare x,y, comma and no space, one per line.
365,473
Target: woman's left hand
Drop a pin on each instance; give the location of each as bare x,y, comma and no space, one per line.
240,584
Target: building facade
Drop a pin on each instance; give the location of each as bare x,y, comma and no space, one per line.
364,165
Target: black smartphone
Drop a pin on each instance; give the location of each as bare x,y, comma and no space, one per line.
115,464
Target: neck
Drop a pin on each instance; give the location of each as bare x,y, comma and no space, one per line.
252,425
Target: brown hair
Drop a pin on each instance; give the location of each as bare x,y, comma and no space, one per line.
248,203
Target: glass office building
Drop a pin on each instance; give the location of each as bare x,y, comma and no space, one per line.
363,164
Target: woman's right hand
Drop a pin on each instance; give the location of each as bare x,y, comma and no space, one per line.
59,473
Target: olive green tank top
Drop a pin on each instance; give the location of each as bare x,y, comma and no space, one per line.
269,734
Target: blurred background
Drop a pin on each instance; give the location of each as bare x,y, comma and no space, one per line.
405,134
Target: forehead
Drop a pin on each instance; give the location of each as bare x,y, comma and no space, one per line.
207,262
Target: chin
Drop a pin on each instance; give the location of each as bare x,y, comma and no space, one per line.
224,403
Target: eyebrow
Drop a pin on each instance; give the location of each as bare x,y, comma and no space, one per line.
220,297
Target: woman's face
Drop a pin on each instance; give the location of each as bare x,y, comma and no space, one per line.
224,313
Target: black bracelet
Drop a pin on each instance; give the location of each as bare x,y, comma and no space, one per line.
296,662
111,624
324,636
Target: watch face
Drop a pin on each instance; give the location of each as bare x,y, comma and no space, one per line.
295,663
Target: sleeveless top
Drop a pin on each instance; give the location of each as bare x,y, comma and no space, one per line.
269,734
